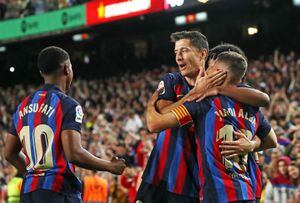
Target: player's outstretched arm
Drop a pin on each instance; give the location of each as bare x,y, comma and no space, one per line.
12,153
157,122
76,154
246,95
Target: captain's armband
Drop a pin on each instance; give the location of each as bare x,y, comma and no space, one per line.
182,115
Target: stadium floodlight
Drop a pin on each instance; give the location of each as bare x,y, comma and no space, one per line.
201,17
80,37
12,69
180,20
77,37
2,49
296,2
203,1
252,30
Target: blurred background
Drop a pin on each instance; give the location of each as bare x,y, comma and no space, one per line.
120,49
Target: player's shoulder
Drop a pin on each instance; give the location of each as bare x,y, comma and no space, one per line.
175,76
228,101
66,100
25,100
203,106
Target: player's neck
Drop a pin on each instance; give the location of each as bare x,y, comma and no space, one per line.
57,82
191,81
228,83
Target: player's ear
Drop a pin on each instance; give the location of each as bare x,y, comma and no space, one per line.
66,69
203,53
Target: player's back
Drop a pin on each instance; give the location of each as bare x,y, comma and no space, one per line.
216,118
38,121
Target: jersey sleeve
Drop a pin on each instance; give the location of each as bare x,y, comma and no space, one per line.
189,111
167,86
182,114
264,126
73,117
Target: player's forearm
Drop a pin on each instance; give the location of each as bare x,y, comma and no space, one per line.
17,161
174,105
257,143
264,146
153,120
246,95
270,141
84,159
157,122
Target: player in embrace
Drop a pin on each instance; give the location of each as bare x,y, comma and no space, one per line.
222,179
172,172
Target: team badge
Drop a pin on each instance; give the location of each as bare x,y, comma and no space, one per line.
79,114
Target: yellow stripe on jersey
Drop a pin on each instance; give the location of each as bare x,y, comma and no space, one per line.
182,115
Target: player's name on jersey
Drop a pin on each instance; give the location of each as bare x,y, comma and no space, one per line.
221,113
35,107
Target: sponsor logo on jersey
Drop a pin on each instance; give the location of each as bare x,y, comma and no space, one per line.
79,114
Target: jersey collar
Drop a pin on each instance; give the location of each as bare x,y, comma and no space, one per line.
51,87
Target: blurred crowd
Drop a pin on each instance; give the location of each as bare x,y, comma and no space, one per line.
114,124
21,8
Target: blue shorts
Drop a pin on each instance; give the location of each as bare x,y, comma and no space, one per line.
48,196
148,193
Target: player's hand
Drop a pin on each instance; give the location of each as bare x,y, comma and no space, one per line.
204,84
209,93
243,145
117,165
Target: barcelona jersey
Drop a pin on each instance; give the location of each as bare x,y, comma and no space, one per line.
38,122
173,158
215,119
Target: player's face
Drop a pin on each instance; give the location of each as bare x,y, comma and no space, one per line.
188,58
69,76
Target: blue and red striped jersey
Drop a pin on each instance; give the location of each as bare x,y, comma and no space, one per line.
38,122
215,119
173,158
255,172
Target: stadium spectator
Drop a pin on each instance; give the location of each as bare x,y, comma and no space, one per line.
95,188
14,188
2,8
21,8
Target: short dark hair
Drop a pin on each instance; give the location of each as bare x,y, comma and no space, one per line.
214,52
197,39
51,58
237,64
